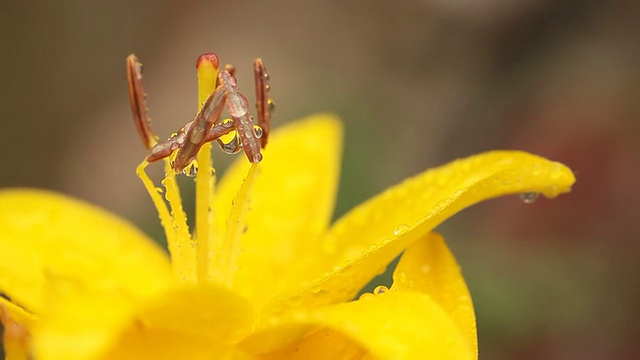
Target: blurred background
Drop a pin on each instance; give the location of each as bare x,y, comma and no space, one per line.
418,83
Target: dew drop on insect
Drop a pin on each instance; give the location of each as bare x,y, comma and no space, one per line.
529,197
380,290
400,229
191,170
231,147
272,106
257,130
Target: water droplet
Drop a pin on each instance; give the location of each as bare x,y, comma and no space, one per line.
380,290
272,106
556,171
231,147
366,296
537,169
267,87
257,130
400,229
266,76
159,190
191,170
529,197
373,247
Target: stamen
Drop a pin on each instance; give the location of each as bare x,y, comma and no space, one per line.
179,260
137,100
226,253
207,67
185,246
263,103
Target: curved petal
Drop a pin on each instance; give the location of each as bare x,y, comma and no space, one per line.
427,266
290,205
182,323
53,247
360,244
393,325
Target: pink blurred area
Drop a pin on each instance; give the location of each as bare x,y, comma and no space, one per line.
417,83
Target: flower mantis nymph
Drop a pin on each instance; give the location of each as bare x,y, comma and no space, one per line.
207,124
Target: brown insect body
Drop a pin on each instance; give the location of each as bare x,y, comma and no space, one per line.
206,125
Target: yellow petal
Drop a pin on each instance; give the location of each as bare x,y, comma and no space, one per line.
15,336
290,205
361,243
393,325
52,246
319,344
182,323
428,266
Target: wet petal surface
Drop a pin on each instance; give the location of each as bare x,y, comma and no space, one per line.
428,267
360,244
290,206
393,325
184,322
54,247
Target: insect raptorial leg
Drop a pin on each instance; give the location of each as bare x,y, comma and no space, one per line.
263,103
138,106
238,108
218,130
164,148
230,69
195,135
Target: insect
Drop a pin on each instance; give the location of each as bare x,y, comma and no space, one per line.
207,125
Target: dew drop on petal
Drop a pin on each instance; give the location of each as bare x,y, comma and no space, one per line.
380,290
529,197
159,190
366,296
400,229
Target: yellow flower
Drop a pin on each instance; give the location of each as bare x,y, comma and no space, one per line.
269,277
